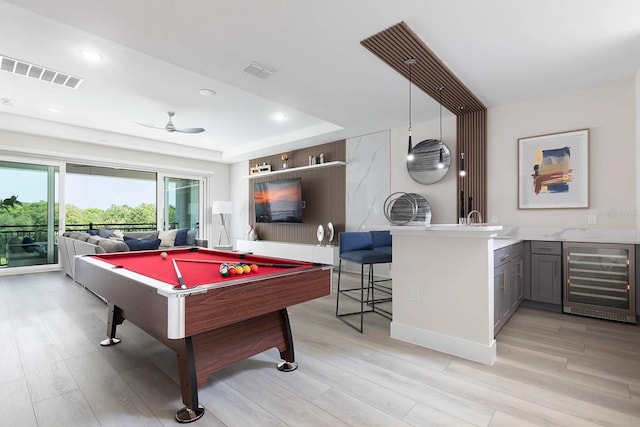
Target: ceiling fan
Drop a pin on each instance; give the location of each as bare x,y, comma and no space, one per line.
170,127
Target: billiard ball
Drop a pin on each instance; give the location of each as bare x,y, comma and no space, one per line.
163,255
246,269
254,268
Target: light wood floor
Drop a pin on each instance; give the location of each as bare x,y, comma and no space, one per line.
552,369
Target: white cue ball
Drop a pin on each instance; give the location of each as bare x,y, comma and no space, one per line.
163,255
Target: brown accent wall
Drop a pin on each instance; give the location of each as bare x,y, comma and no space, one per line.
323,191
471,136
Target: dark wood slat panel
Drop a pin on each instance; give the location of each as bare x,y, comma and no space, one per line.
398,43
323,190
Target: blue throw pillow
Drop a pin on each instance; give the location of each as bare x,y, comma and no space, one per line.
102,232
181,237
92,232
28,241
142,244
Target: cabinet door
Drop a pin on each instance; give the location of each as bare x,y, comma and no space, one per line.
546,280
501,303
516,284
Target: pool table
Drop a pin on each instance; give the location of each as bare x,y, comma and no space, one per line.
210,321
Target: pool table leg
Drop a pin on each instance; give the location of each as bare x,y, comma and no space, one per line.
114,318
188,383
288,364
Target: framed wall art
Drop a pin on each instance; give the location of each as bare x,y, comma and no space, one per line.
553,171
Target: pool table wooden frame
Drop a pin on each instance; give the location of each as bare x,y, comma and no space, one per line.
209,326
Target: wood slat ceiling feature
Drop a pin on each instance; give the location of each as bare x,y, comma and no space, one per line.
398,43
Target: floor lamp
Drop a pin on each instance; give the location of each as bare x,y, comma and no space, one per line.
223,208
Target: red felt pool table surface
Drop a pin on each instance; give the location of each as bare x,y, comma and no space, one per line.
151,264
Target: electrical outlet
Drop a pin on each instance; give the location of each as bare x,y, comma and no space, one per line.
494,219
592,219
413,294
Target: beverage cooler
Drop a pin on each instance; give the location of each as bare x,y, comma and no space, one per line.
599,280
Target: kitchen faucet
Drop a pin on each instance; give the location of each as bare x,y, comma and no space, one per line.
469,221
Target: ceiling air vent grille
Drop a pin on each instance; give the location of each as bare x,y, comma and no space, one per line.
259,71
27,69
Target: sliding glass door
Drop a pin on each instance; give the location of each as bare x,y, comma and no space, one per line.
29,217
181,199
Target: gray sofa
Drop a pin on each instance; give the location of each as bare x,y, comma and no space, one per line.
73,243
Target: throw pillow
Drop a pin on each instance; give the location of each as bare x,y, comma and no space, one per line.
181,237
117,234
142,244
191,237
167,238
102,232
92,232
30,242
110,245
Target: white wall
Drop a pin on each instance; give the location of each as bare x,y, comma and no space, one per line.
608,110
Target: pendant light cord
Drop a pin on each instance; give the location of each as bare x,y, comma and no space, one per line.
410,98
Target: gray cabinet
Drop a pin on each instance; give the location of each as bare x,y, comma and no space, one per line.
546,272
508,282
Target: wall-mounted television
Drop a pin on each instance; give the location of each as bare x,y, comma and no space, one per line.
278,201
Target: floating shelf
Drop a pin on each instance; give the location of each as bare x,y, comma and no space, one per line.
279,171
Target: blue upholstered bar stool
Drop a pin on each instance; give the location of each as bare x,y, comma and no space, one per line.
358,247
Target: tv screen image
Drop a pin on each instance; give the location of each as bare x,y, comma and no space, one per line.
278,201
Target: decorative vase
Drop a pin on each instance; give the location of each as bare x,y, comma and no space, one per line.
253,235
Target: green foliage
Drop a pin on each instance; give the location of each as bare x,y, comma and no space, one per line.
35,214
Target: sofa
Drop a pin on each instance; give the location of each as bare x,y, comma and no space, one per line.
91,242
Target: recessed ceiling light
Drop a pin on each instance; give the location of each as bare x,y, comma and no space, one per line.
91,55
207,92
53,110
279,117
6,101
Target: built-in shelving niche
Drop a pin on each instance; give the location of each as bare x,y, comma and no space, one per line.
323,191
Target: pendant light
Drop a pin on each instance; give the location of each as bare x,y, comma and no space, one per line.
440,163
409,62
462,171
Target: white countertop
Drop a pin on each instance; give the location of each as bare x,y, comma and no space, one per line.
509,235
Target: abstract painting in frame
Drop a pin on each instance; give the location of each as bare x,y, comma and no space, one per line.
553,171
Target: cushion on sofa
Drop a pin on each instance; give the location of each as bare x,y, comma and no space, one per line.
111,245
167,237
105,232
93,232
191,237
181,237
83,236
94,240
142,244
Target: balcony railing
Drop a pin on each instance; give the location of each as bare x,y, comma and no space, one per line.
39,233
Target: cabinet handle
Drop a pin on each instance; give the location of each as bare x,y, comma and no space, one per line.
502,258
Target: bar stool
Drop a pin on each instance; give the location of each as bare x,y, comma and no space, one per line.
358,247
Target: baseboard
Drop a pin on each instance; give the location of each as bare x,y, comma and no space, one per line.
465,349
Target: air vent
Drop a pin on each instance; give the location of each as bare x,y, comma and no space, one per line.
259,71
27,69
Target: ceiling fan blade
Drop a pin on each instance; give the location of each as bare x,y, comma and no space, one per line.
189,130
150,126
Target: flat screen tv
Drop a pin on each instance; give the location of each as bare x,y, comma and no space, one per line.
278,201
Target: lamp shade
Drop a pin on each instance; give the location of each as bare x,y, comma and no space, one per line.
221,207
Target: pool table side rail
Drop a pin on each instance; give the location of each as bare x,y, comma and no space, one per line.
230,304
